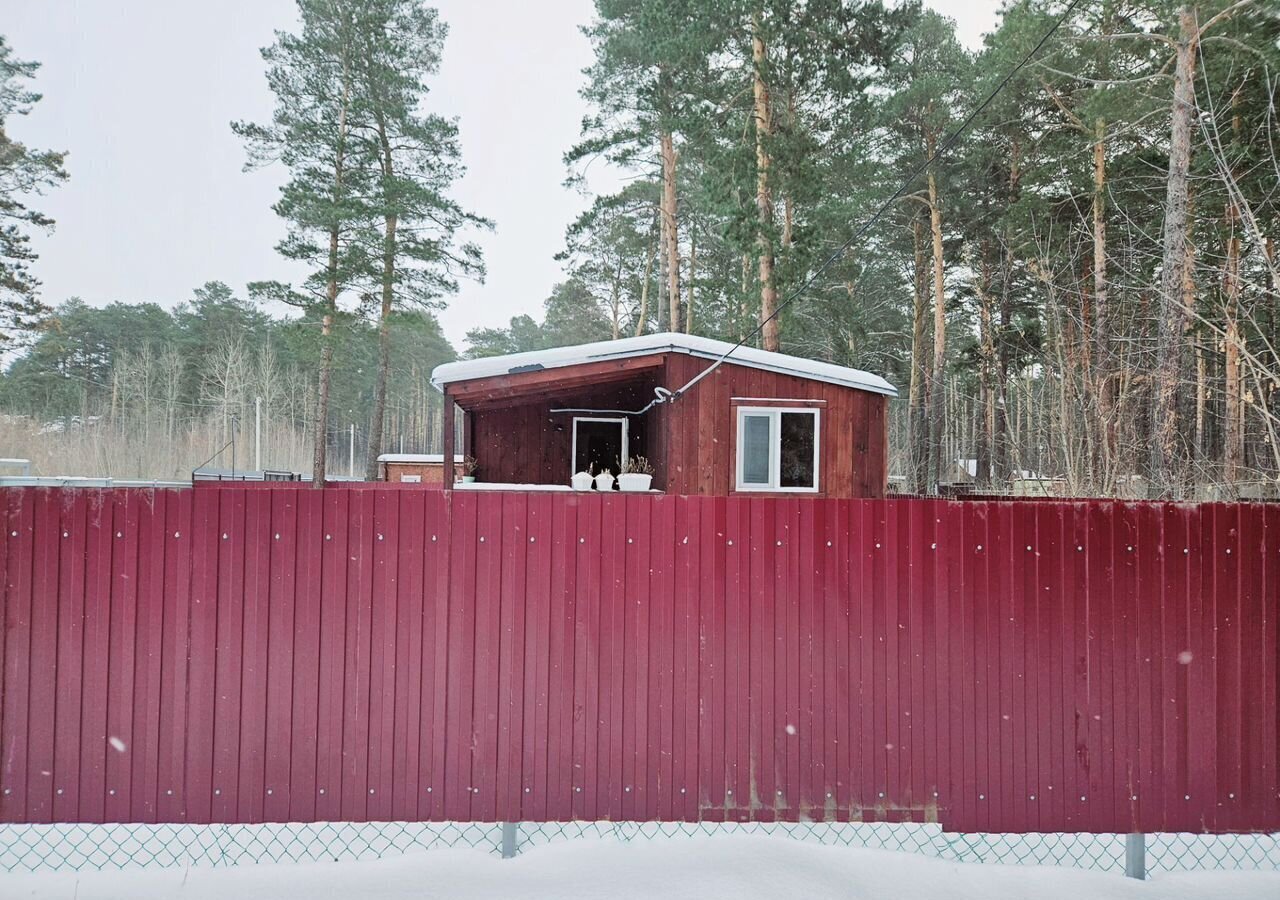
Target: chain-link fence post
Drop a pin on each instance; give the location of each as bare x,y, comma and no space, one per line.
1135,856
510,839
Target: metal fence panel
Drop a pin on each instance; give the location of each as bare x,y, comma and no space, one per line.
242,656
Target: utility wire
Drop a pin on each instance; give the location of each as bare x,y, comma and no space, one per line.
866,226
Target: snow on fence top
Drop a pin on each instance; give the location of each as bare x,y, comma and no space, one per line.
668,342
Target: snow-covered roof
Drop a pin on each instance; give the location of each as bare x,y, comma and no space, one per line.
668,342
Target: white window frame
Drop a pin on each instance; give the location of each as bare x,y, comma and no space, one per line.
573,452
774,414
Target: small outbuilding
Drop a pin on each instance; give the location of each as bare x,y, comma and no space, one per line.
760,423
415,468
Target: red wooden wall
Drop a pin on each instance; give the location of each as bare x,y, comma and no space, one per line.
700,429
238,655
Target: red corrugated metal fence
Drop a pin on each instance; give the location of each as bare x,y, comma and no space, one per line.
242,655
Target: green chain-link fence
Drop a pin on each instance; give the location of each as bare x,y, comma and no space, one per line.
77,847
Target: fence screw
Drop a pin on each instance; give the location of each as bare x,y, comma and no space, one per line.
1135,856
510,838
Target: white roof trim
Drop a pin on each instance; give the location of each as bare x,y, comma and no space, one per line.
705,348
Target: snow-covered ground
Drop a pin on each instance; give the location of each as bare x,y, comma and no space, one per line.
738,867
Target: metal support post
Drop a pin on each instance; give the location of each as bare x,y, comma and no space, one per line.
1135,856
510,839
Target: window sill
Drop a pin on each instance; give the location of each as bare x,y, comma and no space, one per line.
774,492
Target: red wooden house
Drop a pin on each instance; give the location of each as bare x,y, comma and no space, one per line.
763,423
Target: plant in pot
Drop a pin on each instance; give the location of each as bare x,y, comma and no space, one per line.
604,481
581,481
469,469
637,475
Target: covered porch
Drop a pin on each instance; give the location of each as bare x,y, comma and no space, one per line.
532,429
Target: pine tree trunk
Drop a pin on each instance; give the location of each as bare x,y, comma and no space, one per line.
671,230
661,305
615,302
1101,309
916,426
788,207
643,317
319,457
320,447
1164,419
1269,395
384,349
939,328
764,195
391,221
693,273
1233,444
987,392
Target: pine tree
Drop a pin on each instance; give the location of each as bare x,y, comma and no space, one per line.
325,201
415,159
650,70
927,88
24,172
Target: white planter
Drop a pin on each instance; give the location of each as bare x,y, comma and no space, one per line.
468,479
581,481
604,481
634,482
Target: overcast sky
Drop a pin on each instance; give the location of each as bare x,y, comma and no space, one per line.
141,93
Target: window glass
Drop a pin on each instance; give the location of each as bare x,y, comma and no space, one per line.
755,449
796,440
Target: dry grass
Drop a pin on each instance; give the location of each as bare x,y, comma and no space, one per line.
102,449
